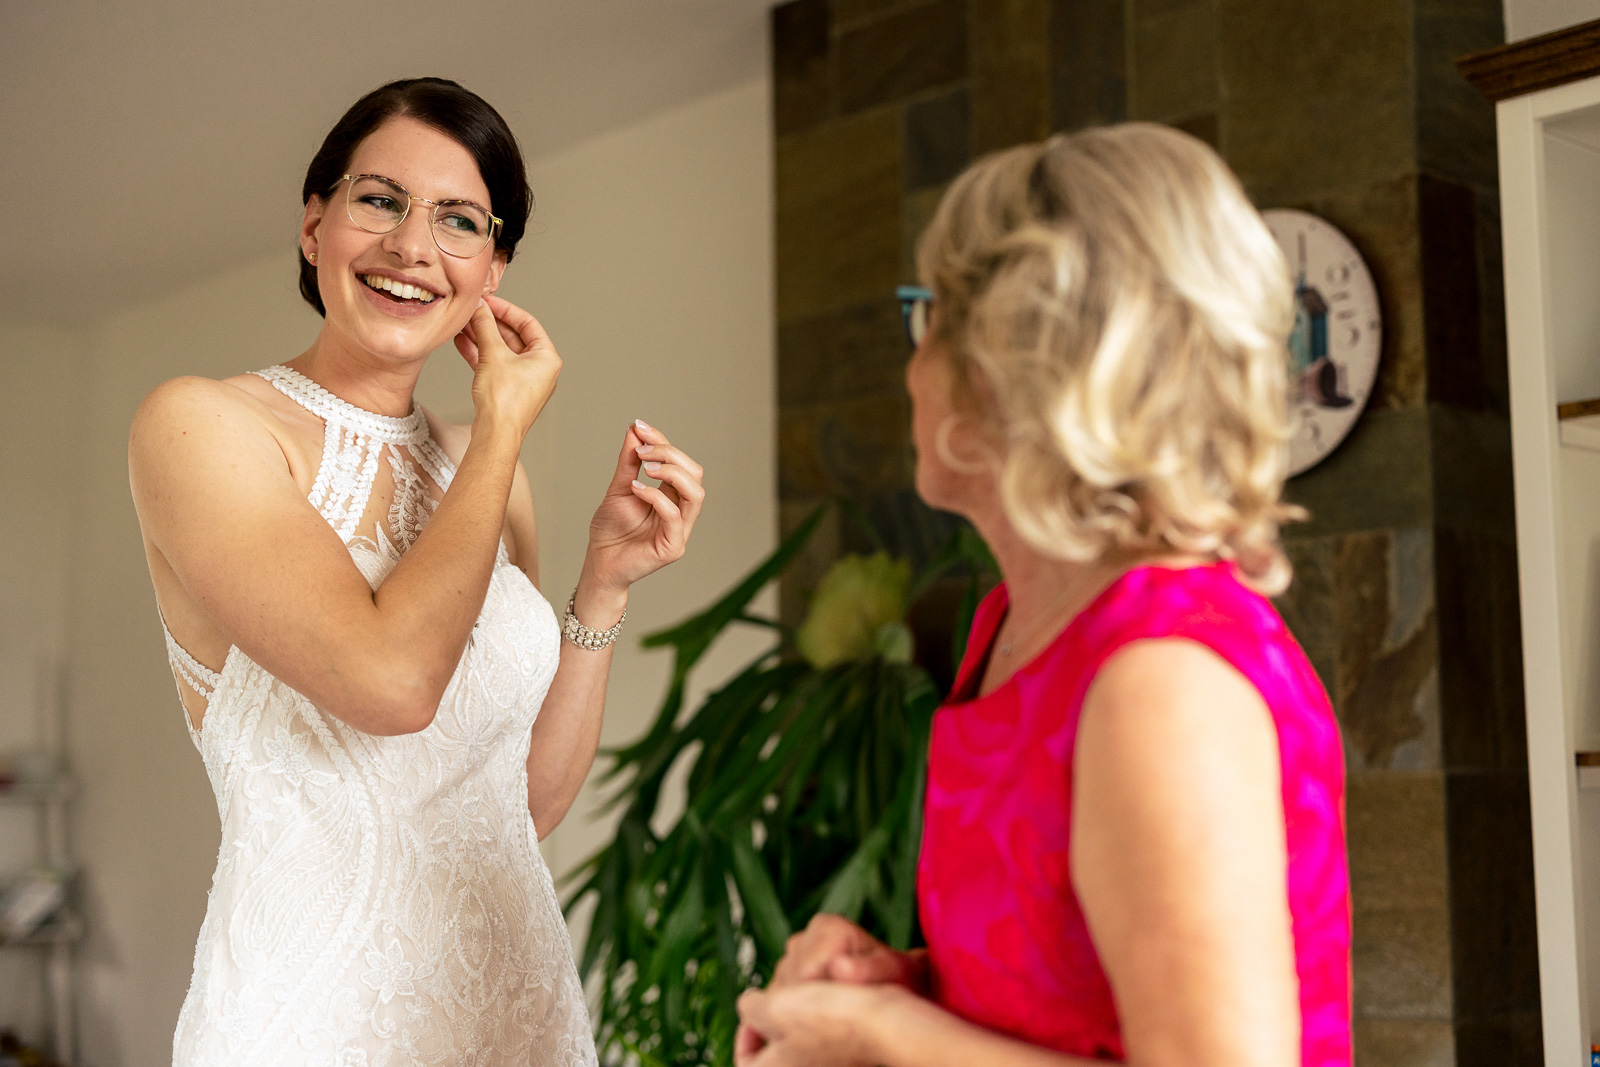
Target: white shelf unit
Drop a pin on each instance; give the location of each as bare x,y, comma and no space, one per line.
57,937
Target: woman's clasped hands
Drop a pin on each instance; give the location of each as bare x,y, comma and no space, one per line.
834,980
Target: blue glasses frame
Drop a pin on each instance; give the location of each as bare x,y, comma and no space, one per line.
915,304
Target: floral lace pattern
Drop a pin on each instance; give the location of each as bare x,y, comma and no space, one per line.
381,900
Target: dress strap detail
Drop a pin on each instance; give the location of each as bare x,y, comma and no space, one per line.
411,429
201,679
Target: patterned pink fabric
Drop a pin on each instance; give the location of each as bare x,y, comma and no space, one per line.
1008,945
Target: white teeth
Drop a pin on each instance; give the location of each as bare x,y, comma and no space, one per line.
400,289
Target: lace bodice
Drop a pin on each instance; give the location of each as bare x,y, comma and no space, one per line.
381,900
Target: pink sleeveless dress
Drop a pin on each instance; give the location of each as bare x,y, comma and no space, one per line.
1007,943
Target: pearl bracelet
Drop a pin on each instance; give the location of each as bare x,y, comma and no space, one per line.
582,636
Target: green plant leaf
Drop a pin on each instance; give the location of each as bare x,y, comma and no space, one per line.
847,889
694,634
679,931
767,920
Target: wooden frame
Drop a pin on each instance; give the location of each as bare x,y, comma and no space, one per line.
1543,62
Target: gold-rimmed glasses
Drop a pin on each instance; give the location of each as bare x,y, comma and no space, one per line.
378,205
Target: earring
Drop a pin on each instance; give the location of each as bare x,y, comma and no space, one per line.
312,256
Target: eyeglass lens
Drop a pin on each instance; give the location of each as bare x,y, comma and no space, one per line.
915,302
378,206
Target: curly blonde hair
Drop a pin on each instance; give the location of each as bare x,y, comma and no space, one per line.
1116,313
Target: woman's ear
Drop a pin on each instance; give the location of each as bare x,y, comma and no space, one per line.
311,227
497,268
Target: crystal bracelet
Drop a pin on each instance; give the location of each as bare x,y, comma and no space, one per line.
582,636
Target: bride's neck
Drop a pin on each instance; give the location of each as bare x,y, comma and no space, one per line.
358,377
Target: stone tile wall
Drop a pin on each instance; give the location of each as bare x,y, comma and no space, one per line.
1406,587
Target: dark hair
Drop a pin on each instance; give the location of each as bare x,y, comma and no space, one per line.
460,114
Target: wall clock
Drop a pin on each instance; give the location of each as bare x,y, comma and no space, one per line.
1337,337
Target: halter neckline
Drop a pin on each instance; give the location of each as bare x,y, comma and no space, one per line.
409,429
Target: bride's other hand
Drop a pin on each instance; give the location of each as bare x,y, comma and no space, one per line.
639,528
514,365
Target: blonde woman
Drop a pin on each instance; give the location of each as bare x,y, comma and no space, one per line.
1134,843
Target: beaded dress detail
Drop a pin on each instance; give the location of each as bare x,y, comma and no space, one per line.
381,900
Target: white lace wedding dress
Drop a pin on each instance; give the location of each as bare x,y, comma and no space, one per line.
382,900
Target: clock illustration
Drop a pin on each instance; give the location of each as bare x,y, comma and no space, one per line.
1337,336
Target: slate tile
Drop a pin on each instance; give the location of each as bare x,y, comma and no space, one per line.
1144,9
838,214
1356,46
938,138
1332,111
1455,124
1509,1040
1402,963
806,572
1379,478
1468,8
1472,471
1404,1043
1386,673
802,65
1010,75
1491,893
1205,127
1484,723
1361,603
839,354
848,14
903,54
1174,64
1492,296
854,447
916,211
1447,215
1396,830
1088,61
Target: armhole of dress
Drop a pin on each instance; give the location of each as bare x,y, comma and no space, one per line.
188,671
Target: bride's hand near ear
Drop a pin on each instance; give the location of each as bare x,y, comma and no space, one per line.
514,365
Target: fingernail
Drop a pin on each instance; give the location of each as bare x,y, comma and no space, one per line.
637,484
645,426
482,302
643,449
652,466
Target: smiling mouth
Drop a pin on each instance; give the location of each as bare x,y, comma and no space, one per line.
399,292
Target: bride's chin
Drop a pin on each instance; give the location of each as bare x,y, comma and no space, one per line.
399,343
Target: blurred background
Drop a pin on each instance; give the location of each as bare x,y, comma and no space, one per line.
727,192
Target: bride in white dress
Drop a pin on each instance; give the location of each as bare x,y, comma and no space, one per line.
382,697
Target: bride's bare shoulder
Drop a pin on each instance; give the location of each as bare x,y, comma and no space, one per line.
240,411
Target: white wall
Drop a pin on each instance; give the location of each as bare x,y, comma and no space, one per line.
39,384
1530,18
649,261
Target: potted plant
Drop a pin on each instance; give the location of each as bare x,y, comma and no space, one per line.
804,795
